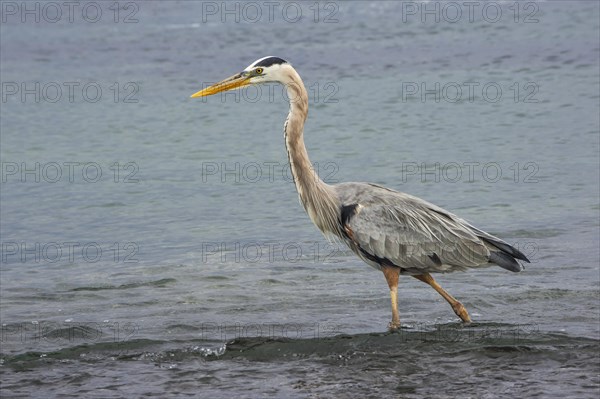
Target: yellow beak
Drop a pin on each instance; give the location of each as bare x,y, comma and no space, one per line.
231,83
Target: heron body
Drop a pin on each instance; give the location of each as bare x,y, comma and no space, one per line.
391,231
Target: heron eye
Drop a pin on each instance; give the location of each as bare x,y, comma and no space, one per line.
259,71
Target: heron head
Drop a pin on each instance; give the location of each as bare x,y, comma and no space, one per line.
266,69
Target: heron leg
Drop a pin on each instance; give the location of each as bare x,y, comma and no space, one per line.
458,307
392,273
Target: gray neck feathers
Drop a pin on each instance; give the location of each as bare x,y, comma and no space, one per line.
317,198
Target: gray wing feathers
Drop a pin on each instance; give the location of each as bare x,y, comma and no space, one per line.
418,236
499,244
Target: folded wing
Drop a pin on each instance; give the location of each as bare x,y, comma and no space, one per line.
389,227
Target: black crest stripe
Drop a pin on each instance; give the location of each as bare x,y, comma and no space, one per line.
267,62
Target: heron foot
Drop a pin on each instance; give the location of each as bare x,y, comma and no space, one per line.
461,312
394,325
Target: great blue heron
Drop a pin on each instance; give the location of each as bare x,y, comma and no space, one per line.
389,230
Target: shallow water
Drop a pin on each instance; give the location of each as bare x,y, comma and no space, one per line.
170,256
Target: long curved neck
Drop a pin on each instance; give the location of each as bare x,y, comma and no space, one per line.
317,198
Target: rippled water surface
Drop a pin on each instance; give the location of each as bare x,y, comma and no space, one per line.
153,245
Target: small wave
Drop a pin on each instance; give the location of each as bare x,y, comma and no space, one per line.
158,283
476,339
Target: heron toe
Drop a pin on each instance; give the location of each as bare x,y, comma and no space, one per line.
461,312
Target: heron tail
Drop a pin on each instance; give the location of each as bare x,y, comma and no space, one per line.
505,261
501,253
507,256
